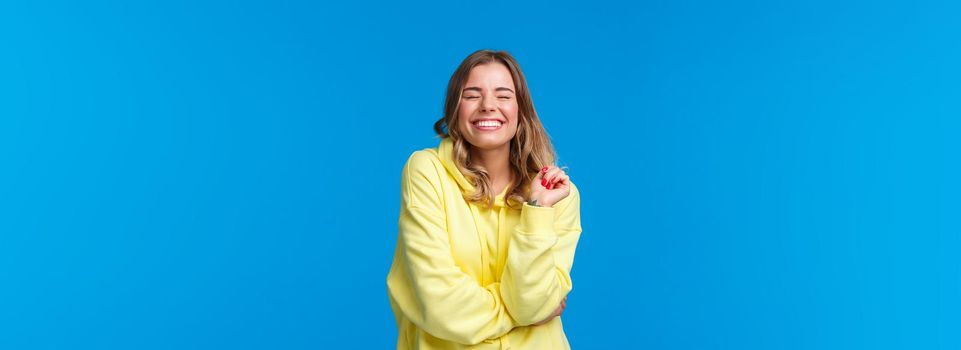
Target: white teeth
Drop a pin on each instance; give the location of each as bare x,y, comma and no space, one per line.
488,123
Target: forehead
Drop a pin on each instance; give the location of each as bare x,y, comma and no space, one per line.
493,74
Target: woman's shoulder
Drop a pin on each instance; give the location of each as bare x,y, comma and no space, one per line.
424,155
423,158
423,164
422,179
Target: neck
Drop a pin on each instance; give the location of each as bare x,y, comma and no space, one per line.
496,161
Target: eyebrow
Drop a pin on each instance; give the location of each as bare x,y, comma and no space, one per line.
474,88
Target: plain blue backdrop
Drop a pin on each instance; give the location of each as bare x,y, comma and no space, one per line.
225,175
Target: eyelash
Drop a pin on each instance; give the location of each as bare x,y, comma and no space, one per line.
474,97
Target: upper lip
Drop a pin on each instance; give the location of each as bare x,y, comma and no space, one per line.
483,119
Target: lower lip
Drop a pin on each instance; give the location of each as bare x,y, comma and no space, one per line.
488,128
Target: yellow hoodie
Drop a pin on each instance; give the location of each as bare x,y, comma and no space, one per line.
468,277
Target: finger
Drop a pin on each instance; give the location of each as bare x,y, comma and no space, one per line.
562,181
552,174
546,176
557,180
541,173
544,170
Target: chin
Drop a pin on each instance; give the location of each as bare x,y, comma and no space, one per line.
487,142
490,145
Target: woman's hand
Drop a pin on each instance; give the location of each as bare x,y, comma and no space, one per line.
550,186
557,312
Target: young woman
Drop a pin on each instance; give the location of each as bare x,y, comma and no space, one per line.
488,225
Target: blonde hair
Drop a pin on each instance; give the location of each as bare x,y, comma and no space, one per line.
530,148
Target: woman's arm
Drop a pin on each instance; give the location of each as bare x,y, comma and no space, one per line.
540,256
437,296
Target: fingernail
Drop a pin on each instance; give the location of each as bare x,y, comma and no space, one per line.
544,170
544,182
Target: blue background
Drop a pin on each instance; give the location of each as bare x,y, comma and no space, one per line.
754,175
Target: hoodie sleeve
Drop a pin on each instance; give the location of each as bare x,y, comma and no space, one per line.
442,300
540,255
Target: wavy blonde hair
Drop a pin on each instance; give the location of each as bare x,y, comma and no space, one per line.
530,148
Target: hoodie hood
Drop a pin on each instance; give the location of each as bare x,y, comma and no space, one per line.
446,154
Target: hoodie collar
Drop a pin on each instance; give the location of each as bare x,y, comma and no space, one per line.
446,154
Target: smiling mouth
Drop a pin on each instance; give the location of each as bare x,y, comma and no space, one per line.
488,125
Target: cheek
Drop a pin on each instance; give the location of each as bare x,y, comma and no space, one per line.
466,109
463,114
510,111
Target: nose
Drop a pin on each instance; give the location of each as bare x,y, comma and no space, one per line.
488,105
